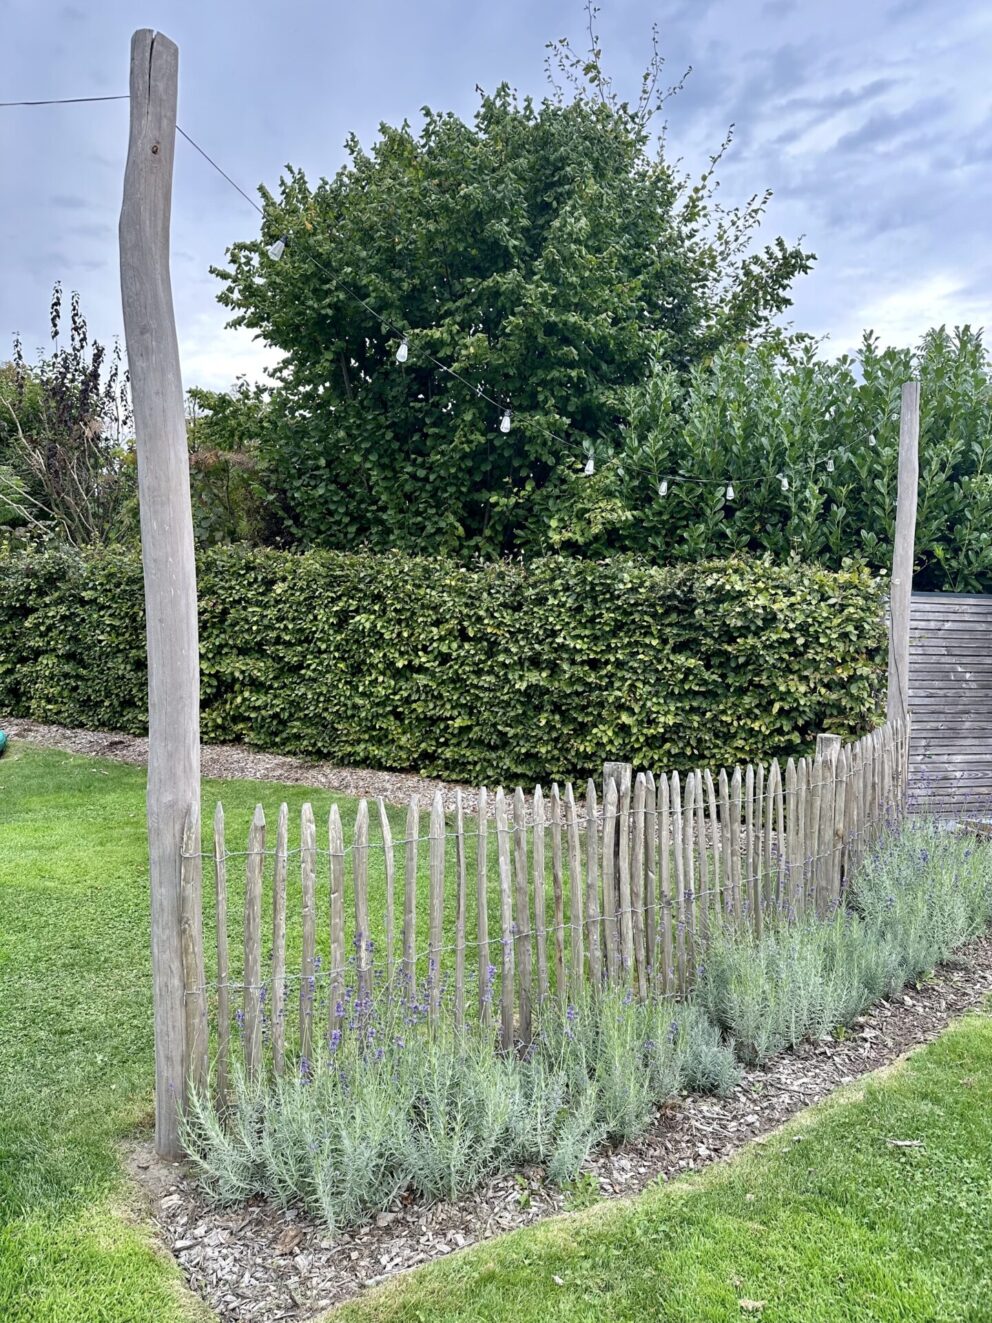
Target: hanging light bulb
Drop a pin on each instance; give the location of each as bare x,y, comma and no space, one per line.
830,465
832,412
277,249
504,422
590,467
872,441
784,481
730,491
663,487
403,353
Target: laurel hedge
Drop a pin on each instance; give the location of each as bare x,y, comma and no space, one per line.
498,672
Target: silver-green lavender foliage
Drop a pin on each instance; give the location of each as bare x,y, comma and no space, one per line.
388,1107
920,894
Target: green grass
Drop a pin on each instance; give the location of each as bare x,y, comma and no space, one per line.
826,1223
75,1031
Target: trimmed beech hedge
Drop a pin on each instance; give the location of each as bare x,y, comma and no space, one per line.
501,672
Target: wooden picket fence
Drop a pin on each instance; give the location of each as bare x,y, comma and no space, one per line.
627,893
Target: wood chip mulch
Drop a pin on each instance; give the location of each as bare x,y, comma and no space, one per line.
261,1263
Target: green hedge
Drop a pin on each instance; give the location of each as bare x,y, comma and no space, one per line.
502,672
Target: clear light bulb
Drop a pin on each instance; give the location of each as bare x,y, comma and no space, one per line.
277,249
784,481
590,467
663,487
832,412
830,466
872,441
730,491
504,422
403,353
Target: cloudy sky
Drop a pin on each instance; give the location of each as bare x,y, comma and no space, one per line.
870,119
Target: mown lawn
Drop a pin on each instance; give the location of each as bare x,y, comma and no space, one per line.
829,1222
75,1030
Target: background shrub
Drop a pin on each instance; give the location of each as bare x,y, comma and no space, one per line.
502,671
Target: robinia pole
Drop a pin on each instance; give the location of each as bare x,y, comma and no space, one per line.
166,544
903,552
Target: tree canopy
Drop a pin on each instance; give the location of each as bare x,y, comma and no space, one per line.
548,252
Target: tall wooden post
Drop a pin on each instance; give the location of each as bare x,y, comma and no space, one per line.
166,543
903,551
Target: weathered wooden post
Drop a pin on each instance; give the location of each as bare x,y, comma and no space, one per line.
166,544
903,551
623,776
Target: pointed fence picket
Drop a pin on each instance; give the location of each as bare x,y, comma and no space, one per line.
633,882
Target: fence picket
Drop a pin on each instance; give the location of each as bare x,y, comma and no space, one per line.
667,976
540,904
335,991
308,886
735,846
461,888
651,876
748,884
703,887
773,789
759,816
279,941
637,886
729,846
194,975
506,921
522,938
360,880
837,842
389,865
610,816
482,906
223,962
787,889
678,843
625,916
689,865
575,894
435,903
252,1010
558,889
714,903
410,894
594,925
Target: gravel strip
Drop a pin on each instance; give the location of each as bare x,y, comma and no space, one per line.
260,1263
237,762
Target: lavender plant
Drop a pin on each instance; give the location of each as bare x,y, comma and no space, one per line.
390,1103
921,893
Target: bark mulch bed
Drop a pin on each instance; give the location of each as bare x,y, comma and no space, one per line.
259,1263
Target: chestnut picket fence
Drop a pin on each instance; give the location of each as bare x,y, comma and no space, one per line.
508,900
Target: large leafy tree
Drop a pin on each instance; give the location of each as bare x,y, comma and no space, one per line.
548,252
